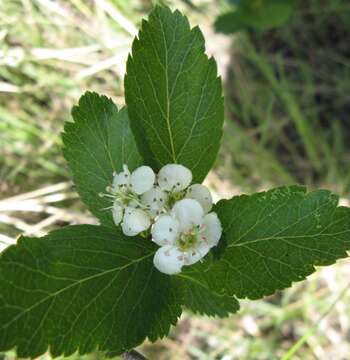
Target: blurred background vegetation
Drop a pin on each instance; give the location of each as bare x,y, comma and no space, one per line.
287,91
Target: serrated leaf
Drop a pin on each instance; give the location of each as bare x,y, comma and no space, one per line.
174,95
201,298
81,288
98,142
277,237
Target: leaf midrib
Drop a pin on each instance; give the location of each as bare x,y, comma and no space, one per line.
236,244
248,242
167,118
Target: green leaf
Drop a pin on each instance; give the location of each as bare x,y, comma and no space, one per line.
201,300
82,288
275,238
257,14
267,14
199,297
229,23
98,142
174,95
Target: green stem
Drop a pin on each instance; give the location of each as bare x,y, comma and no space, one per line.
306,336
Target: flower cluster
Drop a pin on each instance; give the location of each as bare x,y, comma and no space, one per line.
177,213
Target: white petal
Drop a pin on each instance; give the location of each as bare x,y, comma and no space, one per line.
133,203
3,246
174,177
165,230
155,200
142,179
189,213
117,212
169,260
197,253
202,194
212,229
135,221
121,179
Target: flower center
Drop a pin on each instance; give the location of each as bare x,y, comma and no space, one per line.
124,196
189,239
174,197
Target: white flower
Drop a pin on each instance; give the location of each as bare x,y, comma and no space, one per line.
126,190
154,199
185,236
169,259
135,221
174,177
212,229
117,212
188,212
176,209
166,230
202,194
140,181
122,179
